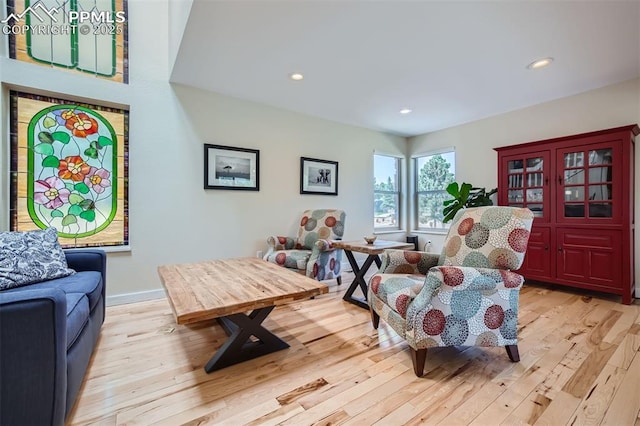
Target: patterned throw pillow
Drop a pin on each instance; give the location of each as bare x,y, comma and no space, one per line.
30,257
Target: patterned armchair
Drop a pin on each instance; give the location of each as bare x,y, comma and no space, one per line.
312,252
469,296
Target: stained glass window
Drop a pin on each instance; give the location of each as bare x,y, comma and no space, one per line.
87,36
69,168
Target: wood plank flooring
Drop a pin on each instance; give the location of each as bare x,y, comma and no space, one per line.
580,364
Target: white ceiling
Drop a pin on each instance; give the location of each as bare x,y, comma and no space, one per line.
451,62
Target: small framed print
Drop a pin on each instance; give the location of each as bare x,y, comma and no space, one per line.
318,176
227,167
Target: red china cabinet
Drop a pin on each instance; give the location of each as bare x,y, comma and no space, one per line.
581,191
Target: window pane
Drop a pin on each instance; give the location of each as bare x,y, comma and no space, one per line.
572,177
534,179
515,181
535,164
515,196
386,186
434,174
430,209
386,210
600,156
574,210
600,210
574,193
385,171
573,159
514,166
534,195
600,174
600,192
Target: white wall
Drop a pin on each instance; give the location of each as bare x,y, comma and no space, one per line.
476,161
179,11
172,218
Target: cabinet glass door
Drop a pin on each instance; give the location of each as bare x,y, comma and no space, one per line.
587,183
600,179
527,182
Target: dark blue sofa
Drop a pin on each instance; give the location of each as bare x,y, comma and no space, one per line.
48,332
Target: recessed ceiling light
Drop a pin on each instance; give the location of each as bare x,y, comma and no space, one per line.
539,63
296,76
405,111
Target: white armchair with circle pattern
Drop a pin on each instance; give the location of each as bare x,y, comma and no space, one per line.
470,294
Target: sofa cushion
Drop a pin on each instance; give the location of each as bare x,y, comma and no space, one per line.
77,316
84,282
30,257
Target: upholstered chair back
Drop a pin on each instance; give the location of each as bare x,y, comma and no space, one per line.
320,224
488,237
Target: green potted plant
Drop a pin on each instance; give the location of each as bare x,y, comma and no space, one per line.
465,195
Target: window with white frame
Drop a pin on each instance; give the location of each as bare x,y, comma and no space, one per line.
386,192
433,172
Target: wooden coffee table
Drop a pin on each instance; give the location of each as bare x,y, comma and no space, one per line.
373,251
226,289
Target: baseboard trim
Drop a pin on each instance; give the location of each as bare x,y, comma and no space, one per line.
141,296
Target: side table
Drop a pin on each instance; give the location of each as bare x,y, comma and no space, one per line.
373,251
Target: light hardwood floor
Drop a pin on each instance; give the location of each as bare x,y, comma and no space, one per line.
580,364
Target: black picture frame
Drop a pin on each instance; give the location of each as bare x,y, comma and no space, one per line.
318,177
228,167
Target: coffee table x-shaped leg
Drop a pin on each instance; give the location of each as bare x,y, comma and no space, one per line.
239,347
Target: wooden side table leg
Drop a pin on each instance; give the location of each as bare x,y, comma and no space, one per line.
358,281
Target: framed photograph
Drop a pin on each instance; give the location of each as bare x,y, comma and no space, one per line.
318,176
226,167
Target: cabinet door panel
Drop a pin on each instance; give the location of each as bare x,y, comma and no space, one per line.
572,264
524,182
601,266
537,260
589,183
590,256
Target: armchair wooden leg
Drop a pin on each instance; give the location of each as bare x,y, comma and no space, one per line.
512,351
418,357
375,318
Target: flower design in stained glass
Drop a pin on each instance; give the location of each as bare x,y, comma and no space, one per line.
72,156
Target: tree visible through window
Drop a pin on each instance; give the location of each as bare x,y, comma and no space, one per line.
386,188
434,173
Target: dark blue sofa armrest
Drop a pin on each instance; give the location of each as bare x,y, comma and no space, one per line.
33,350
88,260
